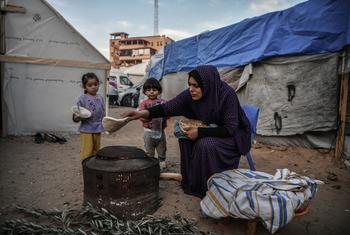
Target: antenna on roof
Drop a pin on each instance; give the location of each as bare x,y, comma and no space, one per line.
155,26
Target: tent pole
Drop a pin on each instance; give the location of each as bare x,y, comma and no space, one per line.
343,100
3,126
106,79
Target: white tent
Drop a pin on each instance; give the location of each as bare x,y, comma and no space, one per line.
42,63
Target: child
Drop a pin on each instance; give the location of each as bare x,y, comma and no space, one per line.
90,129
152,89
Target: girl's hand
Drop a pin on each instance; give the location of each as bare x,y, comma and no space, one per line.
134,114
76,118
191,132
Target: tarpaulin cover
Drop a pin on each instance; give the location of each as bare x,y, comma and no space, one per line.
312,27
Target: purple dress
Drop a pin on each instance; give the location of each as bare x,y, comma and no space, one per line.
95,104
205,156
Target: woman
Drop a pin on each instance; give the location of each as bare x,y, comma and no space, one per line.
208,150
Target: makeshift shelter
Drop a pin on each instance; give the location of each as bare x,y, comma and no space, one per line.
287,62
42,61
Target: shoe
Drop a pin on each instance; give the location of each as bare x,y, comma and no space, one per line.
162,165
38,138
50,138
59,139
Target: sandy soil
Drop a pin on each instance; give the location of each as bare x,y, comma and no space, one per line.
49,175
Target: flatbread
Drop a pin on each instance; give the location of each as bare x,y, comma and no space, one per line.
81,111
190,123
113,124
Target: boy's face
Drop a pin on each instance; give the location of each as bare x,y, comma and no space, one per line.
151,93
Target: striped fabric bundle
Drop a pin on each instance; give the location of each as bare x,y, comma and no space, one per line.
242,193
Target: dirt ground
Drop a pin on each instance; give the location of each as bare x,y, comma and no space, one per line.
49,175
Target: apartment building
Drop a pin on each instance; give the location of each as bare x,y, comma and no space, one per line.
127,51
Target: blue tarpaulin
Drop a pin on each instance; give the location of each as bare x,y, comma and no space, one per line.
312,27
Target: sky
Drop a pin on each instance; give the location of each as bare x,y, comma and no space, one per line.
178,19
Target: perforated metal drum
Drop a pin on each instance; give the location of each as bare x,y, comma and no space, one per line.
123,180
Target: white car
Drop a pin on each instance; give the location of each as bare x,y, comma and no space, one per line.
121,88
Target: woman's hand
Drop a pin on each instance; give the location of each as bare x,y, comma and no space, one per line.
134,114
191,132
144,120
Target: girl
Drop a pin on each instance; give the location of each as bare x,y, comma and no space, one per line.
152,89
90,129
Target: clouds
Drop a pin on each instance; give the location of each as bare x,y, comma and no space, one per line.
264,6
123,24
175,34
214,2
60,3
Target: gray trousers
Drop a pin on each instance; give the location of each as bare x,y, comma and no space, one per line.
152,144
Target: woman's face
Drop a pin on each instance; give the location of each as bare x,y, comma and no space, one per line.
195,90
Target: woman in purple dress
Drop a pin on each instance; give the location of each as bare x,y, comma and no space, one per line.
207,150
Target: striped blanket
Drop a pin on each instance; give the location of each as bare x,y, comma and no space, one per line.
242,193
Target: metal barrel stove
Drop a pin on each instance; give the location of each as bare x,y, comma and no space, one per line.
123,180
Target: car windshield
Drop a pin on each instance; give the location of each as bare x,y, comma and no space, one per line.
125,81
112,78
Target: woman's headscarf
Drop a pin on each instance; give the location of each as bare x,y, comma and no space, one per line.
213,106
213,90
218,105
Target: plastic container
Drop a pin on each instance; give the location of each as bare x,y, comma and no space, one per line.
157,128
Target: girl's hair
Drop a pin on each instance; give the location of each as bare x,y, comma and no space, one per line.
86,77
152,83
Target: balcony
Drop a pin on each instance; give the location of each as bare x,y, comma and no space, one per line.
133,46
136,57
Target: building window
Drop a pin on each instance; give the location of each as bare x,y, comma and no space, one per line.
135,52
126,52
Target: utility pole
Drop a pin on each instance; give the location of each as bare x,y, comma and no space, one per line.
155,23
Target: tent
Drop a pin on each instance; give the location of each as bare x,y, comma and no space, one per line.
42,63
287,62
136,72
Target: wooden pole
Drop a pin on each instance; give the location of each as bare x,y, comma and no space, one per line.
343,101
55,62
106,79
251,227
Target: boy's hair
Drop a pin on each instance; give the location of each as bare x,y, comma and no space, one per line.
88,76
152,83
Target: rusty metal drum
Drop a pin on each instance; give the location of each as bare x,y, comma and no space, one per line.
123,180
